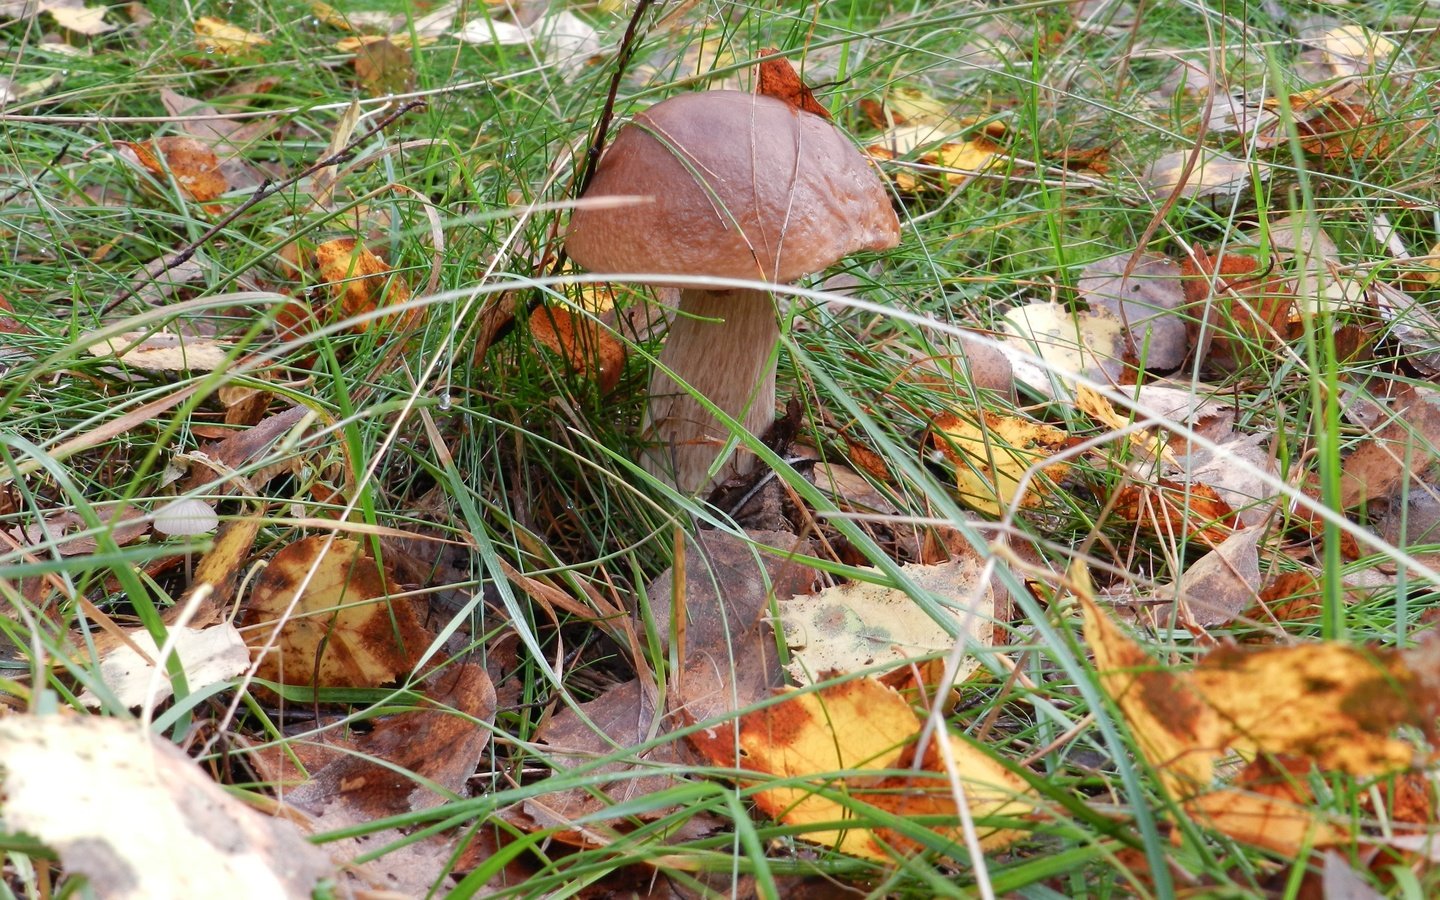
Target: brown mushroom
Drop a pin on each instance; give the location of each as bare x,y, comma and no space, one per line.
736,186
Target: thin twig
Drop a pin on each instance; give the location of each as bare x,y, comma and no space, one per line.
266,189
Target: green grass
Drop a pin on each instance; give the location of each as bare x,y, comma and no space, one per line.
527,464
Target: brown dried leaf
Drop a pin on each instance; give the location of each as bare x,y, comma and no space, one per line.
1404,449
1246,308
193,165
391,768
1171,508
384,68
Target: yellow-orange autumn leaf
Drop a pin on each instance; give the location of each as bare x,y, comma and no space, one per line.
214,35
337,626
992,453
360,281
833,743
193,165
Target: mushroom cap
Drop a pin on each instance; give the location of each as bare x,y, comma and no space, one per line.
740,186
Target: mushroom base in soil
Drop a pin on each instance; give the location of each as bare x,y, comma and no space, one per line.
720,344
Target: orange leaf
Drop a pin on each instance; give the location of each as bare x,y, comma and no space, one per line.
194,166
779,79
360,281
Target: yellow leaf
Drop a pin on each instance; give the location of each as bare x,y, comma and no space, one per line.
828,740
992,453
1356,42
164,352
214,35
1262,821
337,626
401,41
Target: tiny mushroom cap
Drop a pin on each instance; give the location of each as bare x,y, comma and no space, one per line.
727,185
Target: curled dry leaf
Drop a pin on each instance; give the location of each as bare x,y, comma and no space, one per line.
1173,508
337,625
823,742
360,282
777,78
163,352
1404,448
138,818
1218,586
850,627
587,347
993,453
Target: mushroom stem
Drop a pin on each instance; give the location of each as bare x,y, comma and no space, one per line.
719,344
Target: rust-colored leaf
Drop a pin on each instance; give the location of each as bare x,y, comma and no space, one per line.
1246,308
779,79
588,348
1172,508
192,163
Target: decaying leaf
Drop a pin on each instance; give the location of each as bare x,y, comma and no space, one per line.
1218,586
1402,449
384,68
163,352
1146,303
208,656
397,767
74,15
827,739
1091,344
858,626
1244,305
587,347
139,819
1213,173
993,453
1333,705
328,607
1172,508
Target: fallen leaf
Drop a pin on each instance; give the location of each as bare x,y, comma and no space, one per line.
1405,448
162,352
328,607
993,454
850,627
360,282
397,767
136,817
1218,586
72,15
778,78
1147,304
1214,173
1355,44
214,35
587,348
384,68
824,742
208,656
191,162
219,570
1090,344
1244,306
1171,509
